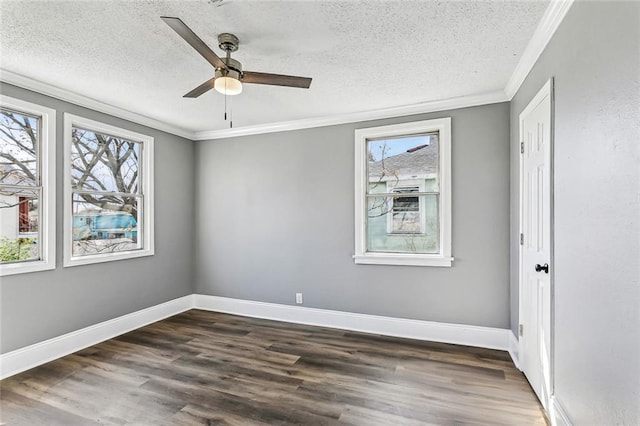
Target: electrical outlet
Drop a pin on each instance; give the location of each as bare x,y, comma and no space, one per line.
299,298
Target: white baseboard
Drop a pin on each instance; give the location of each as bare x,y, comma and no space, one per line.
469,335
22,359
514,349
558,414
31,356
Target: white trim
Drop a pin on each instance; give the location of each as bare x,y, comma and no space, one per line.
31,356
514,349
81,100
356,117
403,259
145,222
469,335
549,23
84,101
48,182
362,256
553,16
558,414
544,92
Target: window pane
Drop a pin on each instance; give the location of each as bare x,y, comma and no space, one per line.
398,221
405,216
394,161
103,163
18,148
19,222
27,215
403,224
405,211
105,224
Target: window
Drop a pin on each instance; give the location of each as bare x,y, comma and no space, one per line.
27,187
108,193
403,194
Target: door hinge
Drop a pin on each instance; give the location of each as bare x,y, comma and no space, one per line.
521,330
521,239
521,147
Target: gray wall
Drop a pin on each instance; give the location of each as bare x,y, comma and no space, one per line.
41,305
275,215
595,60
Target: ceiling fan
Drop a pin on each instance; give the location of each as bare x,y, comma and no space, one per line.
229,76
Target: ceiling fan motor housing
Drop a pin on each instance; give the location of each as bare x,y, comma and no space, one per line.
234,69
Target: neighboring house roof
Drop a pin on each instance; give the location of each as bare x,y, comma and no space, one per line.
417,162
10,175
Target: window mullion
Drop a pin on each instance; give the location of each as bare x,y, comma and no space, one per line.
399,194
19,187
107,193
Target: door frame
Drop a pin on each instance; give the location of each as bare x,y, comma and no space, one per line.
546,90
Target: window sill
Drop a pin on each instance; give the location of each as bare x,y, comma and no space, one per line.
107,257
403,259
25,267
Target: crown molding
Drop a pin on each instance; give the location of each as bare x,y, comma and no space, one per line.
421,108
547,27
84,101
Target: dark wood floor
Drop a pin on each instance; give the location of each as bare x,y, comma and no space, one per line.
208,368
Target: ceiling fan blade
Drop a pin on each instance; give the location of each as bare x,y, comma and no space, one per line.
275,79
190,37
203,88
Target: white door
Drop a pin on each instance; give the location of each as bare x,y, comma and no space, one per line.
535,249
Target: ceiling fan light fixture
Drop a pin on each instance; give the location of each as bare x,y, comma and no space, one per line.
228,86
227,80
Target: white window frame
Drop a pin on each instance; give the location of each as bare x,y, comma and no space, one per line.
146,184
362,256
47,202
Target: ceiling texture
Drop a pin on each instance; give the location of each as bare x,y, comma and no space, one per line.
362,55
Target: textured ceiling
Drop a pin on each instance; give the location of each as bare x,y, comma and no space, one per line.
362,55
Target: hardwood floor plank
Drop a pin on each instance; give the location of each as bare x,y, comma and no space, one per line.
206,368
364,416
194,414
246,406
240,352
16,409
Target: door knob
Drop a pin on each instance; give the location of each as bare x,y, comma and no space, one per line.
544,268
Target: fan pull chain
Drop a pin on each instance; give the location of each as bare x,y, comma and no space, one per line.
230,109
225,100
